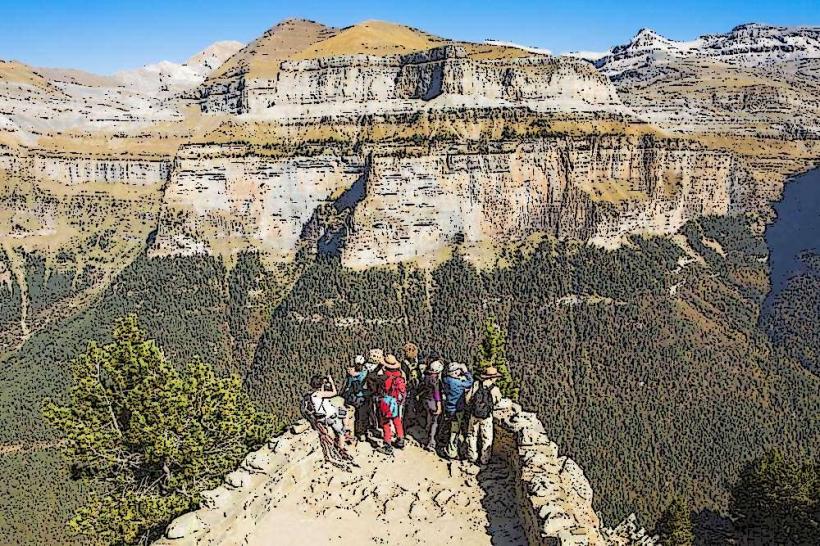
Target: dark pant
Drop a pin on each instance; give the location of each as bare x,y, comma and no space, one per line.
432,427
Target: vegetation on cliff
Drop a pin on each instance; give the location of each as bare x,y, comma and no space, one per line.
645,364
148,435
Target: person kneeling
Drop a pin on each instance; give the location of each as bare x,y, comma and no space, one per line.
482,398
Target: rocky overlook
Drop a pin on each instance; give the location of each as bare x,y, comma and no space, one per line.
528,494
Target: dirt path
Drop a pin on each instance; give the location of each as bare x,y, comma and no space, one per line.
413,497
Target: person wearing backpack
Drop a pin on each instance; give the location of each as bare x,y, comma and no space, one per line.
393,391
482,398
410,368
430,400
454,387
357,397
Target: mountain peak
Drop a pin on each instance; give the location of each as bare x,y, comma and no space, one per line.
215,54
371,37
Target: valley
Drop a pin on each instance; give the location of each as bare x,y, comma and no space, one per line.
275,207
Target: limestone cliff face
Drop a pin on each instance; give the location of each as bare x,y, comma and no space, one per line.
405,203
221,199
399,81
599,188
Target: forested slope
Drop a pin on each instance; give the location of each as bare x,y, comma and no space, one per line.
645,363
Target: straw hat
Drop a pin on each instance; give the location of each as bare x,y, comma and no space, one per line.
377,356
490,373
391,363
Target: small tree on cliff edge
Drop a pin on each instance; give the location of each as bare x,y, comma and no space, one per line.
674,528
493,353
148,436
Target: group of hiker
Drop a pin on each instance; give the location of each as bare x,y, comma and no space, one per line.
382,396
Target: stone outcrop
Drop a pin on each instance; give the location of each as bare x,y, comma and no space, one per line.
285,490
411,203
221,200
397,81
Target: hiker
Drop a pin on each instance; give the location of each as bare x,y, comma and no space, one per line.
412,374
454,387
324,411
481,399
357,398
430,400
373,383
392,392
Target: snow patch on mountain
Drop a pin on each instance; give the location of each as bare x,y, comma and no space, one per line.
529,49
175,77
750,45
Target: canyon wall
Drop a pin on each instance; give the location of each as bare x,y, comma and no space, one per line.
592,187
402,81
408,202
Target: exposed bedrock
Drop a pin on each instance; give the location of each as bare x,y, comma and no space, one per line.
413,203
419,76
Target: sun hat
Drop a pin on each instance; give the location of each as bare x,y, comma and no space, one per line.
455,367
436,366
391,363
490,373
359,360
377,356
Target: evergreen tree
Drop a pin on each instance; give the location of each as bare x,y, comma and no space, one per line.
149,437
775,500
493,353
674,528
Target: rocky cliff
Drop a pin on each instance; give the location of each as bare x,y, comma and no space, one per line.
345,83
406,203
527,495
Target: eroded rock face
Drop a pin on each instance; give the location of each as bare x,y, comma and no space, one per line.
395,82
223,203
600,188
416,203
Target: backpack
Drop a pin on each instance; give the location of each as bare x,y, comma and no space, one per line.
395,386
426,388
481,405
307,409
354,395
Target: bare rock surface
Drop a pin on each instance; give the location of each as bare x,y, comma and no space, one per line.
296,498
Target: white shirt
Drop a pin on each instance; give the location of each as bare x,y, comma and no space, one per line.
322,406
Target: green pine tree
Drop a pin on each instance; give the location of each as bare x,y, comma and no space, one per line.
493,353
674,528
776,499
147,436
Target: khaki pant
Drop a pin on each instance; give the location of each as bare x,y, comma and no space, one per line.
480,429
453,426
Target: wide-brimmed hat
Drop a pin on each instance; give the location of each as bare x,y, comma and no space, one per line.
377,356
391,363
454,367
490,373
437,366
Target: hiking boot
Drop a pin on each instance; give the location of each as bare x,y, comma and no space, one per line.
399,444
387,449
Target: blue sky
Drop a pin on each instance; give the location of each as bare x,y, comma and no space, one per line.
107,36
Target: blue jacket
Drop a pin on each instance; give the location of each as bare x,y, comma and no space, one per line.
454,390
